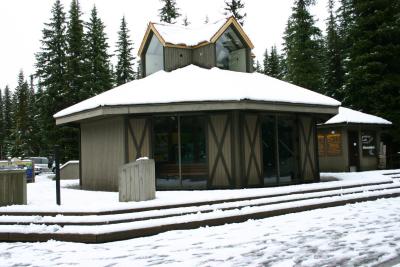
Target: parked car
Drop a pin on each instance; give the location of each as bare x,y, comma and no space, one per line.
41,164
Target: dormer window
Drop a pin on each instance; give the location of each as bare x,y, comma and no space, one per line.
154,56
231,51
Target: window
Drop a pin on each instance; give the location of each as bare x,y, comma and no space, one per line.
154,56
231,52
180,152
330,144
368,141
279,135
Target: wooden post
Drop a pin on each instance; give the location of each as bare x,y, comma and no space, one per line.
57,160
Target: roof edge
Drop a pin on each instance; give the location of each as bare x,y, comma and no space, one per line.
190,106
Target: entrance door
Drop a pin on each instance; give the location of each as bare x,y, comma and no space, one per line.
354,155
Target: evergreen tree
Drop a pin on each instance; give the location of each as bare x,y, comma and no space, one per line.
206,20
273,66
51,68
124,68
334,70
373,82
265,61
2,143
21,132
32,118
186,21
40,118
75,55
257,67
303,48
7,120
235,7
169,12
98,64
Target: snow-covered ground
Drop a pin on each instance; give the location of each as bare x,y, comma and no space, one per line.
42,196
363,234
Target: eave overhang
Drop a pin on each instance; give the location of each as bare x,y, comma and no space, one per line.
204,106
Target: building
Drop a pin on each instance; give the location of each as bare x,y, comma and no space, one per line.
202,115
351,141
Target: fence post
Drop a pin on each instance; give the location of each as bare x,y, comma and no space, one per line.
57,160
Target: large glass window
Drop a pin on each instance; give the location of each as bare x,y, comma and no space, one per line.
180,152
154,56
231,52
279,135
287,149
166,153
269,150
193,151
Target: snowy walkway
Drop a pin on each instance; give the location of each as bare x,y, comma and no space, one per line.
363,234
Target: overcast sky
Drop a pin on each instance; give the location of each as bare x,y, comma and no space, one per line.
21,23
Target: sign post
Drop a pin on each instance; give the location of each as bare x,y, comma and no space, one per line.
57,160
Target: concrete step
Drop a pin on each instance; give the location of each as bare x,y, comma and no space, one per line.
113,234
229,205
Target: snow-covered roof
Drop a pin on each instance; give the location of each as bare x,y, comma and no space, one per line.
181,35
195,84
188,36
347,115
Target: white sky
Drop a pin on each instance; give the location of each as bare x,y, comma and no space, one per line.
21,23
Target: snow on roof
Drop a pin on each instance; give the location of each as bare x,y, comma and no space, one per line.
181,35
347,115
195,84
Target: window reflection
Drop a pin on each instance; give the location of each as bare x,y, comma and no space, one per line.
166,152
231,52
184,134
279,135
154,56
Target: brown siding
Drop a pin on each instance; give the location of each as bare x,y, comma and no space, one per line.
219,151
102,153
204,56
252,150
175,58
138,138
309,169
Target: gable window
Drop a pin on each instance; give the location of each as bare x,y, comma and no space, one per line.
154,56
231,51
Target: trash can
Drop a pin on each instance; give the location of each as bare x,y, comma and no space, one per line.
12,187
137,181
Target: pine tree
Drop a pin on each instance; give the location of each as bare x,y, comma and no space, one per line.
206,20
265,61
185,21
98,64
22,132
235,7
169,12
334,70
303,48
257,67
7,120
2,143
75,55
373,82
273,67
51,68
125,64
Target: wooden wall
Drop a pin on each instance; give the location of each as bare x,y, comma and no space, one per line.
309,169
139,138
204,56
252,154
220,151
175,58
102,153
